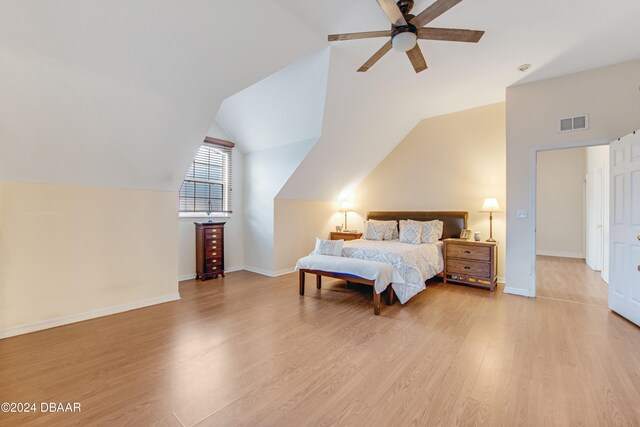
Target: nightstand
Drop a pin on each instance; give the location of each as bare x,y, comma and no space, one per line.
471,263
341,235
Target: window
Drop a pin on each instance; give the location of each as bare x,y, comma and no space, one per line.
207,186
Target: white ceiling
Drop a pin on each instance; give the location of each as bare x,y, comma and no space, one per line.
557,37
368,114
120,93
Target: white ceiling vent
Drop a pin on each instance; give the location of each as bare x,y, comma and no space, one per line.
574,123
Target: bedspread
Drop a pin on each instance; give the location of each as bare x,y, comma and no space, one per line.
413,264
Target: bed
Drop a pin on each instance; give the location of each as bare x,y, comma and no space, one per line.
412,265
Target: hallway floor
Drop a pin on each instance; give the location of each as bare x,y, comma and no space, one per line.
569,279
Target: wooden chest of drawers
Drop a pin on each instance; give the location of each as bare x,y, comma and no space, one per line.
209,250
471,263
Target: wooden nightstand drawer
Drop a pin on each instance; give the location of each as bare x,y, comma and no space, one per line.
341,235
471,268
480,253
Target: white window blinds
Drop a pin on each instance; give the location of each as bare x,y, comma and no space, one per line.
207,186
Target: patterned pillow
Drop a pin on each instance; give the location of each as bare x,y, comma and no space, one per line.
393,228
328,247
410,232
431,231
375,230
391,232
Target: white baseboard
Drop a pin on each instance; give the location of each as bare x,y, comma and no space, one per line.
247,268
284,271
234,268
258,270
561,254
269,273
517,291
52,323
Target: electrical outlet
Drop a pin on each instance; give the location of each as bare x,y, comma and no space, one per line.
522,214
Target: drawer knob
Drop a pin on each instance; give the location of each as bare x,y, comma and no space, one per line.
466,267
467,252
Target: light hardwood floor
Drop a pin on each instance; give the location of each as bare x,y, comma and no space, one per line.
248,350
569,279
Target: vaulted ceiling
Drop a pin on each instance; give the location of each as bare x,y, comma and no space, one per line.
121,93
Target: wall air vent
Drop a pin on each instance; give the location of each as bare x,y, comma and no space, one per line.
574,123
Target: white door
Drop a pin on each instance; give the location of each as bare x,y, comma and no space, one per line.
624,264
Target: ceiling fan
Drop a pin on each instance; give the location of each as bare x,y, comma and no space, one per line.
406,29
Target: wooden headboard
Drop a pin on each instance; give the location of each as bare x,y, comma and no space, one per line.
454,221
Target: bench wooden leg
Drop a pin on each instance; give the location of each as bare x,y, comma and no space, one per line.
391,296
376,302
318,281
301,280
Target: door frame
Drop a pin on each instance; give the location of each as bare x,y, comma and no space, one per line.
533,188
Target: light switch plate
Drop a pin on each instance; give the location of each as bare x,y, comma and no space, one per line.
522,214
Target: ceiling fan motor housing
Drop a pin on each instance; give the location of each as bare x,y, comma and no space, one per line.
405,6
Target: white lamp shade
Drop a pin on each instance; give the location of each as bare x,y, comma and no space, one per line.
490,205
345,205
404,42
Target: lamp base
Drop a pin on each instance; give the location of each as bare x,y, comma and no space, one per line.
491,240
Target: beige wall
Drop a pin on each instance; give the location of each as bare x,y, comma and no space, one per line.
609,95
560,229
450,162
70,252
297,224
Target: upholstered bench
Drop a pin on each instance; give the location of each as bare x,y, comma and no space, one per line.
373,273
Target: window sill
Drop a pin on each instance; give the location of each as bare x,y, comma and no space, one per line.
200,215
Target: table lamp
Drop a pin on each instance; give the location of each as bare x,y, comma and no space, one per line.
490,205
345,206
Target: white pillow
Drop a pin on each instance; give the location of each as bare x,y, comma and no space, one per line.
392,229
410,232
328,247
375,230
431,230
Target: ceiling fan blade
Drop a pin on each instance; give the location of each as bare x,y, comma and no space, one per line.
417,59
392,11
376,57
433,11
450,34
364,35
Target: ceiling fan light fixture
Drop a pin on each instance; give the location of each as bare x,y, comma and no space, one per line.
405,41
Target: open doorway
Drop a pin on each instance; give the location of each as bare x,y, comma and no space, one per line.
572,224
